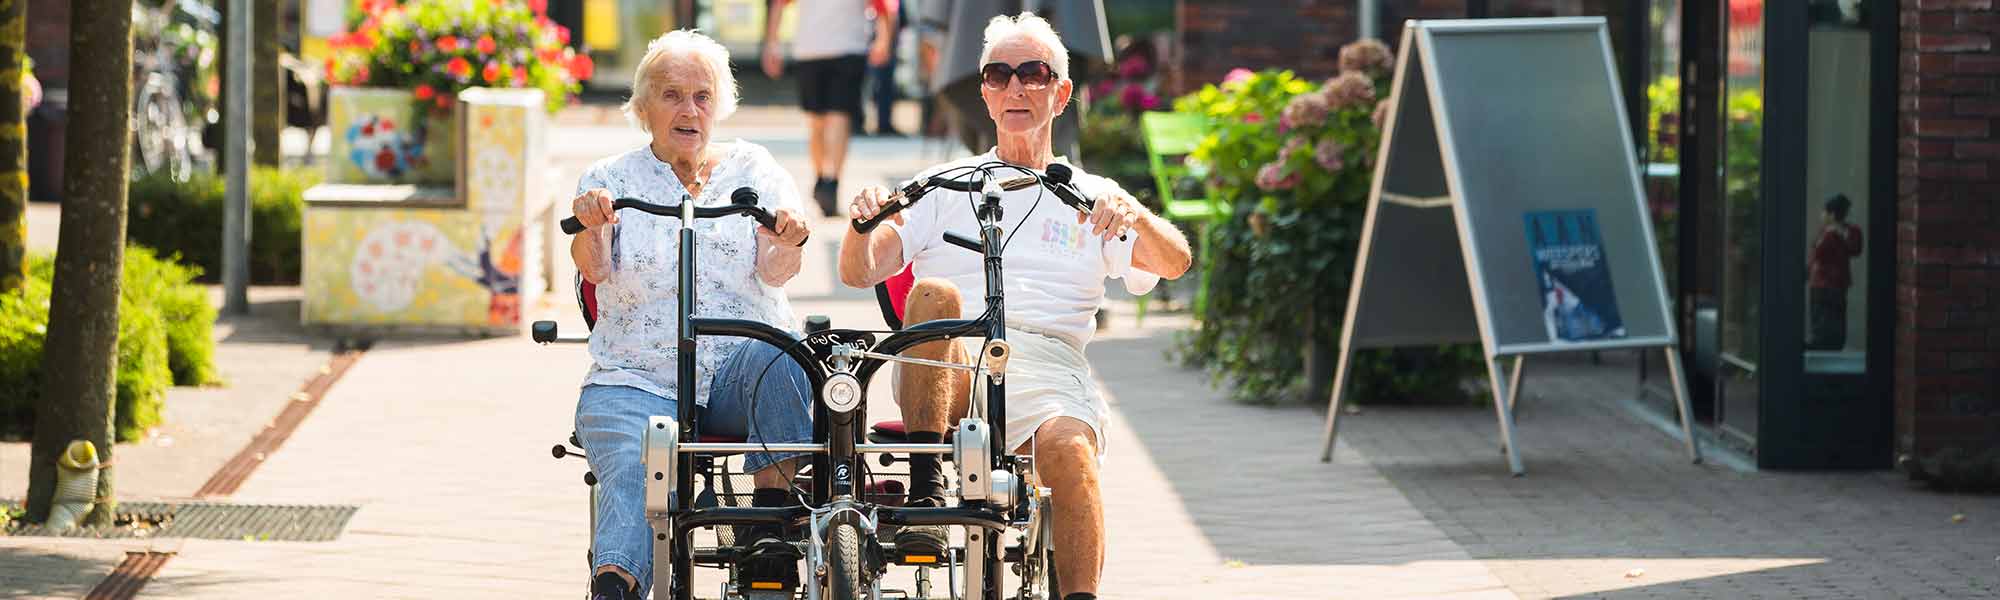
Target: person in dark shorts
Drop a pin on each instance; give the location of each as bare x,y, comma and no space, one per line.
831,51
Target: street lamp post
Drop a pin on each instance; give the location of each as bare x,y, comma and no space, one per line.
235,158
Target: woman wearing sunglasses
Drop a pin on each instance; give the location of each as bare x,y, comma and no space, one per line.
1057,261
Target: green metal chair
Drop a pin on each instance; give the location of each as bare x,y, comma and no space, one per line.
1167,135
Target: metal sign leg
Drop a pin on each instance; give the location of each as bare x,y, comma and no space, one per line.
1681,402
1501,398
1514,383
1333,402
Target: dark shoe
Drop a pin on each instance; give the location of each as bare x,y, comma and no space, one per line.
827,193
609,586
768,563
922,540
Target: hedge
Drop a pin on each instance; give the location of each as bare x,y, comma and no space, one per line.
185,218
165,337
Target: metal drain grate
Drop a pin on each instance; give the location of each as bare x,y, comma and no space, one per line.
212,521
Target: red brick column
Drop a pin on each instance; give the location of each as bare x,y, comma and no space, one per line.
1218,35
1947,370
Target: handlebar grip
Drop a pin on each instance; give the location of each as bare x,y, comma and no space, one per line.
863,227
571,226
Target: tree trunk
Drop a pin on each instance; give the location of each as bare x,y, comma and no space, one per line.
267,101
13,145
81,355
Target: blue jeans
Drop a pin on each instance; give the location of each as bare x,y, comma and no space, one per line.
611,421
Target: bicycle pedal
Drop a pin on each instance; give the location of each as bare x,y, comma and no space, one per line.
913,559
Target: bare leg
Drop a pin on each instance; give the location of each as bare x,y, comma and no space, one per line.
1065,452
837,128
932,398
816,142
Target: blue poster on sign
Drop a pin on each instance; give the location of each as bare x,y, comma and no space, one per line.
1577,301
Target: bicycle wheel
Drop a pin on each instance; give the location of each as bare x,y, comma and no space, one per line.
844,566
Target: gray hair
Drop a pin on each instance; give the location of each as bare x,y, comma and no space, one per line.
1003,28
684,42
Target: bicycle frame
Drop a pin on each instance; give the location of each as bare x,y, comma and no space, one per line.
838,458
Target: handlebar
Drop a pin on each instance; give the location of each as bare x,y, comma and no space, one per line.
741,202
1056,178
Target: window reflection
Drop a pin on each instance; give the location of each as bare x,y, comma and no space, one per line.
1837,185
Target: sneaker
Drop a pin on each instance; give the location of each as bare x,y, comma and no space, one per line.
827,193
609,586
768,563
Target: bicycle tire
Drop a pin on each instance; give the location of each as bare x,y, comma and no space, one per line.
844,566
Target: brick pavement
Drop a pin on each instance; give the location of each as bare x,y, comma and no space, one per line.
1605,494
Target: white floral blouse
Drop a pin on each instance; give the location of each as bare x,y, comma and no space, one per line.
635,342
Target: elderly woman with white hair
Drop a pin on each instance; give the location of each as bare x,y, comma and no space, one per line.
683,88
1055,281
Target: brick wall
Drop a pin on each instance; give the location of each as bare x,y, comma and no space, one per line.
1219,35
1948,227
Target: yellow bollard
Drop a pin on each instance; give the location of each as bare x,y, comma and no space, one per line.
76,485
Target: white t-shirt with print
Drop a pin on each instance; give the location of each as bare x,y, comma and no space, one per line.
636,340
1052,267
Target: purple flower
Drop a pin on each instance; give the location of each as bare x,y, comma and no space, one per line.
1349,90
1328,154
1101,89
1149,102
1367,56
1237,75
1304,110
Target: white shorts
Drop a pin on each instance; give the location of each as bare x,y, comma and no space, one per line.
1046,378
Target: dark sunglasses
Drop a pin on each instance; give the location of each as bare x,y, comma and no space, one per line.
1034,74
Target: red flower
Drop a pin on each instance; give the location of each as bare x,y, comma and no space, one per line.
424,92
581,67
491,72
562,35
458,67
444,101
485,45
386,161
330,74
520,78
361,74
1253,118
540,7
447,44
416,48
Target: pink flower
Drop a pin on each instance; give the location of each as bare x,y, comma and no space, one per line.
1272,178
1381,116
1328,153
1253,118
1149,102
1349,90
1292,147
1237,75
1132,97
1101,89
1368,56
1304,110
1134,67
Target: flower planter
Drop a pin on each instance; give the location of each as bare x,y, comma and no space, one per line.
384,136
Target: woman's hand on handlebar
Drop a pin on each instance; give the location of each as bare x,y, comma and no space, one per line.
593,208
870,202
1116,213
790,231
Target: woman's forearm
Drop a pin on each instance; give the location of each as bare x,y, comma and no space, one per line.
592,252
777,264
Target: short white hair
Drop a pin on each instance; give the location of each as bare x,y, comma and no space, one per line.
1027,24
684,42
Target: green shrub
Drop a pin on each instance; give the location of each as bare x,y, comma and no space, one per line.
186,218
165,326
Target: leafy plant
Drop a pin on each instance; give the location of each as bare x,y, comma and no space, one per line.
438,47
185,218
165,329
1295,159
